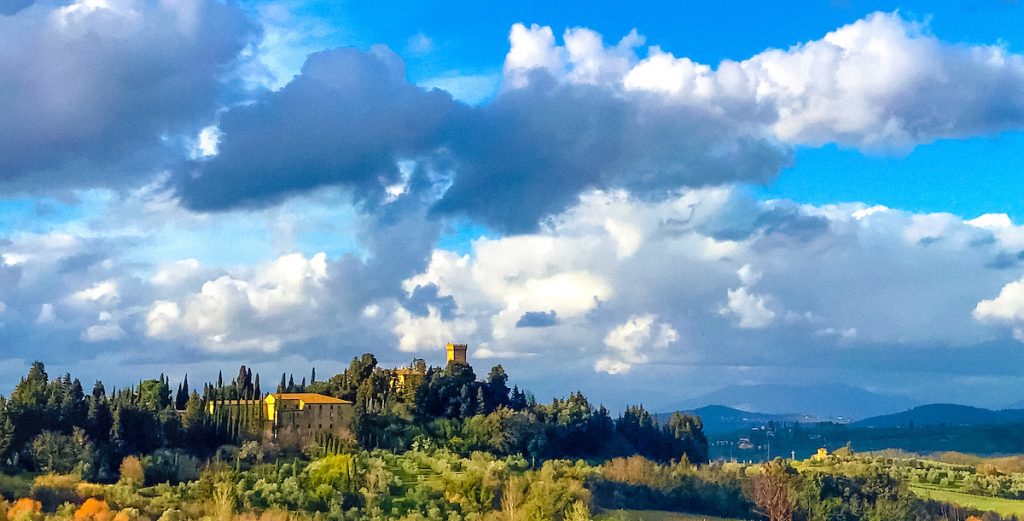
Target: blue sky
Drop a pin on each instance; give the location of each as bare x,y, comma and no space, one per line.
723,193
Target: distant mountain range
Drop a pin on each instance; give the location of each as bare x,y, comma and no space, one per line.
719,419
824,401
944,414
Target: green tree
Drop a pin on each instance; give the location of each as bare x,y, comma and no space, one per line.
496,389
55,452
98,419
155,395
6,431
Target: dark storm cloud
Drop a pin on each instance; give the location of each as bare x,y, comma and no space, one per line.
424,297
89,94
344,120
538,319
351,115
533,150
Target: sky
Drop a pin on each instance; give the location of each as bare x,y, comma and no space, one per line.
645,201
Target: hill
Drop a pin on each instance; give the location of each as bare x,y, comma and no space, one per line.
720,419
826,401
944,414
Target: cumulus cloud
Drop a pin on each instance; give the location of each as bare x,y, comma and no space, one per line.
630,342
352,118
752,311
538,319
1006,308
106,330
810,278
428,332
749,308
259,311
882,82
97,91
825,275
345,120
579,115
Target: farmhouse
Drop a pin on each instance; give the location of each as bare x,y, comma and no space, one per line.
307,413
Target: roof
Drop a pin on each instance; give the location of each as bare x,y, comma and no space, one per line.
309,398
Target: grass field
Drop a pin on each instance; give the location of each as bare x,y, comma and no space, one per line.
995,504
653,515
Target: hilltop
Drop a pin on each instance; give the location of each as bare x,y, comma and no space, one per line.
825,401
944,414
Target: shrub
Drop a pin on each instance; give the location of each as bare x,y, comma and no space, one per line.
14,486
166,466
54,489
129,514
86,490
172,515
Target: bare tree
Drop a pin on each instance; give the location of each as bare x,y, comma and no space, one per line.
773,490
512,495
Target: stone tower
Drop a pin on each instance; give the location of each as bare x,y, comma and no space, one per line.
457,353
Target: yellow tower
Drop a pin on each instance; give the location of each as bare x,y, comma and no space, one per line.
457,353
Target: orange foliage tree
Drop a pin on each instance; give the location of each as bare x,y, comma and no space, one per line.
94,510
24,508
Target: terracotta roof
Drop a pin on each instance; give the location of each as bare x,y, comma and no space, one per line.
310,398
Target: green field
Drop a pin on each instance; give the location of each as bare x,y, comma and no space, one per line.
999,505
653,515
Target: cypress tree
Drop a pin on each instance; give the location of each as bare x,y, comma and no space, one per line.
6,430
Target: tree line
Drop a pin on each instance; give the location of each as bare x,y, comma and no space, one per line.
52,424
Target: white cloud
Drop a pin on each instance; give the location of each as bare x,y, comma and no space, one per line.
207,142
283,301
175,273
882,82
420,44
106,331
531,48
849,333
46,314
750,308
103,293
631,342
428,333
1006,308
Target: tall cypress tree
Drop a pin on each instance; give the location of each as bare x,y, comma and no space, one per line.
6,430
